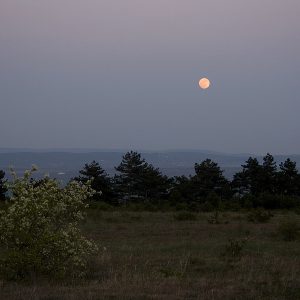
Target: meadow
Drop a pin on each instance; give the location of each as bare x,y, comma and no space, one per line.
181,255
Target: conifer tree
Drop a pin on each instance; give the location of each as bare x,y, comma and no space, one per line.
288,178
209,179
268,174
250,177
138,179
100,181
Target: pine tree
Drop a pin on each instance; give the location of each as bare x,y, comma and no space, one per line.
100,181
268,174
156,185
240,183
182,190
251,176
136,179
129,179
288,178
209,179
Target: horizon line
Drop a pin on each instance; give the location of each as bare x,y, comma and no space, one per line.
93,150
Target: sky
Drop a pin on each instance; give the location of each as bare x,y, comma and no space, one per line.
124,74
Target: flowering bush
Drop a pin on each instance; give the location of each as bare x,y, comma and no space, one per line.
39,232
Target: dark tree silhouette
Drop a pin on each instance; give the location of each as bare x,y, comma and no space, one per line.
209,179
240,183
3,188
182,190
136,179
288,179
249,179
268,174
100,181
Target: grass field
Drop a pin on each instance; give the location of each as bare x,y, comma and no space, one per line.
174,255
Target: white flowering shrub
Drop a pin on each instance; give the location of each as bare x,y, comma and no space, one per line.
39,231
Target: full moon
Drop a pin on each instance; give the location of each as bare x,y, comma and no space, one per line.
204,83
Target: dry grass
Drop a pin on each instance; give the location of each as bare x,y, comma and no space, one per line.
154,256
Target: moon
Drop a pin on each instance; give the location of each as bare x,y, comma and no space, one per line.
204,83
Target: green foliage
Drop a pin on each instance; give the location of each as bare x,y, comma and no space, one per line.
185,216
100,182
289,230
259,216
39,231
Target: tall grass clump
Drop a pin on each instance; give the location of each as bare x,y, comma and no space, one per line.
39,233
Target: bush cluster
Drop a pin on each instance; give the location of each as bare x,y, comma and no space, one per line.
39,231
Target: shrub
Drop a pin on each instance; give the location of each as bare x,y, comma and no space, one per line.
259,216
39,231
289,230
185,216
234,249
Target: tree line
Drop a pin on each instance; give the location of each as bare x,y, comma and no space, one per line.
136,181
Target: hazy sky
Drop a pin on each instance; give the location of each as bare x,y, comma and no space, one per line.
124,73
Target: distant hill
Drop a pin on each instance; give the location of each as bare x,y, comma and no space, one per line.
65,164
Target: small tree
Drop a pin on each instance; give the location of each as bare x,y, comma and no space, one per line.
100,182
39,231
3,188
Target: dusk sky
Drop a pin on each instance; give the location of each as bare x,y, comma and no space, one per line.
124,74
